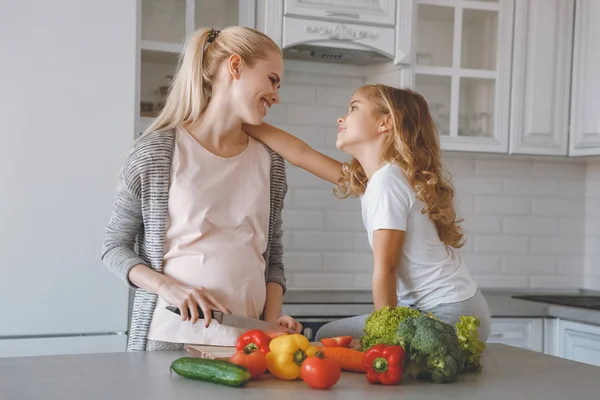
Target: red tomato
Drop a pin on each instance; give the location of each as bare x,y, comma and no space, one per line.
319,372
338,341
255,362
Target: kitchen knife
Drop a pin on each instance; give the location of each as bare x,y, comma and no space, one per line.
238,321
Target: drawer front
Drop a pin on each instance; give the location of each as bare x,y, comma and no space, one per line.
523,333
382,12
300,31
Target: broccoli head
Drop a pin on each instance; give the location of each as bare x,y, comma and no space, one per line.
381,325
433,349
468,339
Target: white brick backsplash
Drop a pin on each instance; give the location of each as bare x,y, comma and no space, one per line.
482,264
302,219
344,221
503,168
313,115
572,226
347,262
530,186
458,166
501,244
464,204
474,223
502,281
592,225
560,246
334,96
530,225
478,185
314,136
529,222
304,179
295,93
571,265
573,188
363,281
322,241
322,280
276,115
316,79
529,264
502,205
323,199
302,262
361,242
558,170
592,246
558,207
552,282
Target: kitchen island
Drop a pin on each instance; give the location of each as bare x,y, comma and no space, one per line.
509,373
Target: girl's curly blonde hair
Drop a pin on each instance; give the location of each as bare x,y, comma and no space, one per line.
414,146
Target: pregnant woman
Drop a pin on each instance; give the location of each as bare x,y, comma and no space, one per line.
204,200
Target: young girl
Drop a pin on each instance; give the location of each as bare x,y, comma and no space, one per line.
203,199
407,205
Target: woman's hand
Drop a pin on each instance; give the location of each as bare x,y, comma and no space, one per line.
189,297
290,323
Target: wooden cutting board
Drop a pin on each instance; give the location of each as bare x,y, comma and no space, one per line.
216,352
211,352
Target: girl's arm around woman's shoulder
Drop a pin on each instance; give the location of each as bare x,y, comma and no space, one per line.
296,152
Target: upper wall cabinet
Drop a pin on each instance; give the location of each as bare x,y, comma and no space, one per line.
358,32
164,26
585,95
539,122
462,67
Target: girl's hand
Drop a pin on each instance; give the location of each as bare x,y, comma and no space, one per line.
290,323
188,297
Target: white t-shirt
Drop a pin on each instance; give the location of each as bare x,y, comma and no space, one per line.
429,271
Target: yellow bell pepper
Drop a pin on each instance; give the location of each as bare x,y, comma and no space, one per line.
287,354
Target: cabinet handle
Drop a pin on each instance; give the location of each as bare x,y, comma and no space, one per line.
339,14
496,335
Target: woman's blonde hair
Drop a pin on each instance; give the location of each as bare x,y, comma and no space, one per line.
412,144
198,65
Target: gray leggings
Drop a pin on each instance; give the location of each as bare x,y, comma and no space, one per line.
448,313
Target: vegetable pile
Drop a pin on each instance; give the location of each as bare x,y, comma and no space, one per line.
397,341
434,350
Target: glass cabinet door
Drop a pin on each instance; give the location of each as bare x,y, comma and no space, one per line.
465,48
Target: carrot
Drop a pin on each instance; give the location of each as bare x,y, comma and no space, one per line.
349,359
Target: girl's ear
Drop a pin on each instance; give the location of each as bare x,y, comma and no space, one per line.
385,124
234,64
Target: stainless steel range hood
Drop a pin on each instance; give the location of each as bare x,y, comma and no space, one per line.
308,52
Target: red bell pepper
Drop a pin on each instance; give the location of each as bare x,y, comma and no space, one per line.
253,340
384,364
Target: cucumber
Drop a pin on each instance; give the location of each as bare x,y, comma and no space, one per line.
215,371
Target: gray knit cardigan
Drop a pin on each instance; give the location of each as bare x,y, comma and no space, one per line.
140,213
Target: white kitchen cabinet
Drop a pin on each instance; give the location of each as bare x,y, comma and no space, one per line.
539,115
164,26
579,342
525,333
359,32
378,12
462,68
46,346
585,95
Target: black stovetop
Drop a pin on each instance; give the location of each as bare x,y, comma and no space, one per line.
583,301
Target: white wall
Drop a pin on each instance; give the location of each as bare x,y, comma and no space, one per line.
592,226
524,218
67,85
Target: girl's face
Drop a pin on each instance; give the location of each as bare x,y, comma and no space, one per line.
359,126
254,90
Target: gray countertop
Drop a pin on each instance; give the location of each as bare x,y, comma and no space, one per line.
509,373
502,305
